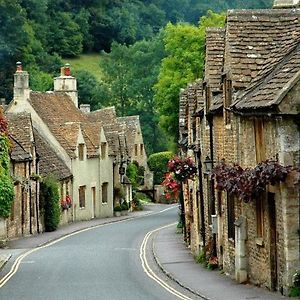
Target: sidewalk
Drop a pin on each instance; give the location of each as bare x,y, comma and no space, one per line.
177,262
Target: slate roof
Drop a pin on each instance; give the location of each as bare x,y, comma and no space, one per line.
272,83
20,129
49,162
214,57
114,131
130,126
65,120
254,36
106,115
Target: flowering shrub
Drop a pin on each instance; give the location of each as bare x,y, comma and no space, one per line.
248,183
172,186
180,170
183,169
66,203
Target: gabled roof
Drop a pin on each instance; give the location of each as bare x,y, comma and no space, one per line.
253,37
65,121
214,57
20,129
49,162
130,126
91,134
272,84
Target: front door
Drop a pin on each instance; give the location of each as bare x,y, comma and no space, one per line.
94,201
273,240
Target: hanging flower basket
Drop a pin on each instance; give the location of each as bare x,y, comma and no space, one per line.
183,168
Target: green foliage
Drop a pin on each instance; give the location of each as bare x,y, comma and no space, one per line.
184,45
124,205
132,174
50,203
6,183
117,208
157,163
201,258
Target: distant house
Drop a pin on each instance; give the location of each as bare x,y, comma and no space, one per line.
80,144
250,114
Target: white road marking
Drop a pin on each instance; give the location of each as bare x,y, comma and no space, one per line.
16,264
151,273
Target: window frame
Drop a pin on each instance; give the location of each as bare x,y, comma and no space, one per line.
82,193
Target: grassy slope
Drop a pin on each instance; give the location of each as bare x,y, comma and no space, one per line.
88,62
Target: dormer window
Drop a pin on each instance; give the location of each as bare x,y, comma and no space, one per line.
103,150
81,151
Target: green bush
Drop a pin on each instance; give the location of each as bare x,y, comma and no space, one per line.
50,203
117,208
158,165
124,206
132,174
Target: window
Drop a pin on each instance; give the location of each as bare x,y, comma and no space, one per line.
81,151
104,192
135,149
142,149
259,140
228,99
230,216
260,216
103,150
82,196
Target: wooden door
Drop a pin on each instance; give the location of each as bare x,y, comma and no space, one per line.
94,201
273,241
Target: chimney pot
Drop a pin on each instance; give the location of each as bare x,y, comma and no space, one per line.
85,108
67,70
19,66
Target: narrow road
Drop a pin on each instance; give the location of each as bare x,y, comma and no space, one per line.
100,263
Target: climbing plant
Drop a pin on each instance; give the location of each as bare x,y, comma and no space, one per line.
49,202
247,183
6,183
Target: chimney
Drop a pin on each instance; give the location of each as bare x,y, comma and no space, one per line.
85,108
21,84
286,3
66,83
2,104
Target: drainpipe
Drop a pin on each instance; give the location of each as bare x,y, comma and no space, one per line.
30,199
200,194
212,182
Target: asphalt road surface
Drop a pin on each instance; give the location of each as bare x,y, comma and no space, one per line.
100,263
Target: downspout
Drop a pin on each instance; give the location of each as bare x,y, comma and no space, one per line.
212,183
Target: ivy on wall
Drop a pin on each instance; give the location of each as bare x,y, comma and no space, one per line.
6,183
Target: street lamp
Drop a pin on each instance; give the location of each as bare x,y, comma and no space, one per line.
208,165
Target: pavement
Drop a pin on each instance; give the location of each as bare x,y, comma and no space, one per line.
171,255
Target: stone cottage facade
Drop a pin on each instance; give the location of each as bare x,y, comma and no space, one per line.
25,218
249,113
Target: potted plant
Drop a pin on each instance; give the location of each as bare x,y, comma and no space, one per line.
117,210
124,207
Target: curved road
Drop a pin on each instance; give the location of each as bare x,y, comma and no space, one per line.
100,263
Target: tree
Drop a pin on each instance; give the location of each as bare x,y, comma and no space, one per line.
184,61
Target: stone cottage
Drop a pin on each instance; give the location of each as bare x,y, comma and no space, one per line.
25,218
251,114
79,143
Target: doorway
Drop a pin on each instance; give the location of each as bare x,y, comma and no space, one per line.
273,241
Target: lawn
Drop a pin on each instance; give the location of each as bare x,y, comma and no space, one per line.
88,62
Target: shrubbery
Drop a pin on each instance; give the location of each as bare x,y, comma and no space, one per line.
50,204
158,165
